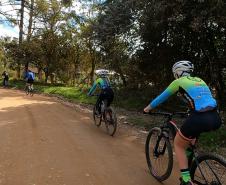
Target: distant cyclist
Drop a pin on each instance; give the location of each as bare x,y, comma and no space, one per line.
29,77
203,117
104,84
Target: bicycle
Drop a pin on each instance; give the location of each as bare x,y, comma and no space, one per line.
107,115
29,89
205,168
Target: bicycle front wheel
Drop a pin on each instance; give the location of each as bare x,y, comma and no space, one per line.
159,154
26,90
31,91
110,121
209,169
96,117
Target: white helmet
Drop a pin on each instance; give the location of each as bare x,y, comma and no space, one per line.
102,72
182,68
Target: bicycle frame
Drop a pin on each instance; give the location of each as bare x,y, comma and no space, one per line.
164,132
193,157
166,128
29,86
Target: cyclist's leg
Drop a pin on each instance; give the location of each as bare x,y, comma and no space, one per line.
185,136
196,123
181,144
98,103
109,97
31,85
26,85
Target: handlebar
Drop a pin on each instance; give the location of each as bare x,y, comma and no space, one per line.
95,95
167,114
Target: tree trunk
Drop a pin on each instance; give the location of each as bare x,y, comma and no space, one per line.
20,33
30,21
52,78
46,77
30,28
18,71
40,74
21,21
92,71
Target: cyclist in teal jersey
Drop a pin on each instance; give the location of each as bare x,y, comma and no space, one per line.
106,91
203,117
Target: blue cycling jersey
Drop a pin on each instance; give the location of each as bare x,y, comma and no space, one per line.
193,89
30,76
103,83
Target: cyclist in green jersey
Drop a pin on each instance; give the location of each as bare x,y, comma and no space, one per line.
203,115
104,84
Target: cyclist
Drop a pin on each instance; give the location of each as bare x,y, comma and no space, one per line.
203,117
5,77
106,91
30,77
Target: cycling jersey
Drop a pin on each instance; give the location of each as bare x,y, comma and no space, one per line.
103,83
193,89
30,76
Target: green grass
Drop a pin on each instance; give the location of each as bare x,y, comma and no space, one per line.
71,93
138,121
213,141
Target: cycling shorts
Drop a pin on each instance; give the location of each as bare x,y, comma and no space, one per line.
30,81
199,122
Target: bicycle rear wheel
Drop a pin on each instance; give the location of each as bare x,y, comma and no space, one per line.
31,91
211,170
96,117
159,154
26,90
110,121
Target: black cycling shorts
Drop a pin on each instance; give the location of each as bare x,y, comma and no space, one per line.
107,94
198,122
30,81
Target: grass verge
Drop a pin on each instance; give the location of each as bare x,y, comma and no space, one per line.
74,94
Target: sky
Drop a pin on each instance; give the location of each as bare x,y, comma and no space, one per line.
6,29
13,31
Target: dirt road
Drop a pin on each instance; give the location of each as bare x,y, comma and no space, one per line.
43,142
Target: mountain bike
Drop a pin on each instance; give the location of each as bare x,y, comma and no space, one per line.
29,89
107,115
205,168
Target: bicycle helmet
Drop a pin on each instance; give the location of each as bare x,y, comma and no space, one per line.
102,72
182,68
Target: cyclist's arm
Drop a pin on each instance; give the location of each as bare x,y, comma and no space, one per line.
170,90
93,88
33,76
25,75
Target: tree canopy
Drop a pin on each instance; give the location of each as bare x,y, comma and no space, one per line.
139,40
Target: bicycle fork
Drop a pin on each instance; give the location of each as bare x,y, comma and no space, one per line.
157,149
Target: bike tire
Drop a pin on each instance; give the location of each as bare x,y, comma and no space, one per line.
26,90
168,154
97,120
110,121
32,92
204,164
